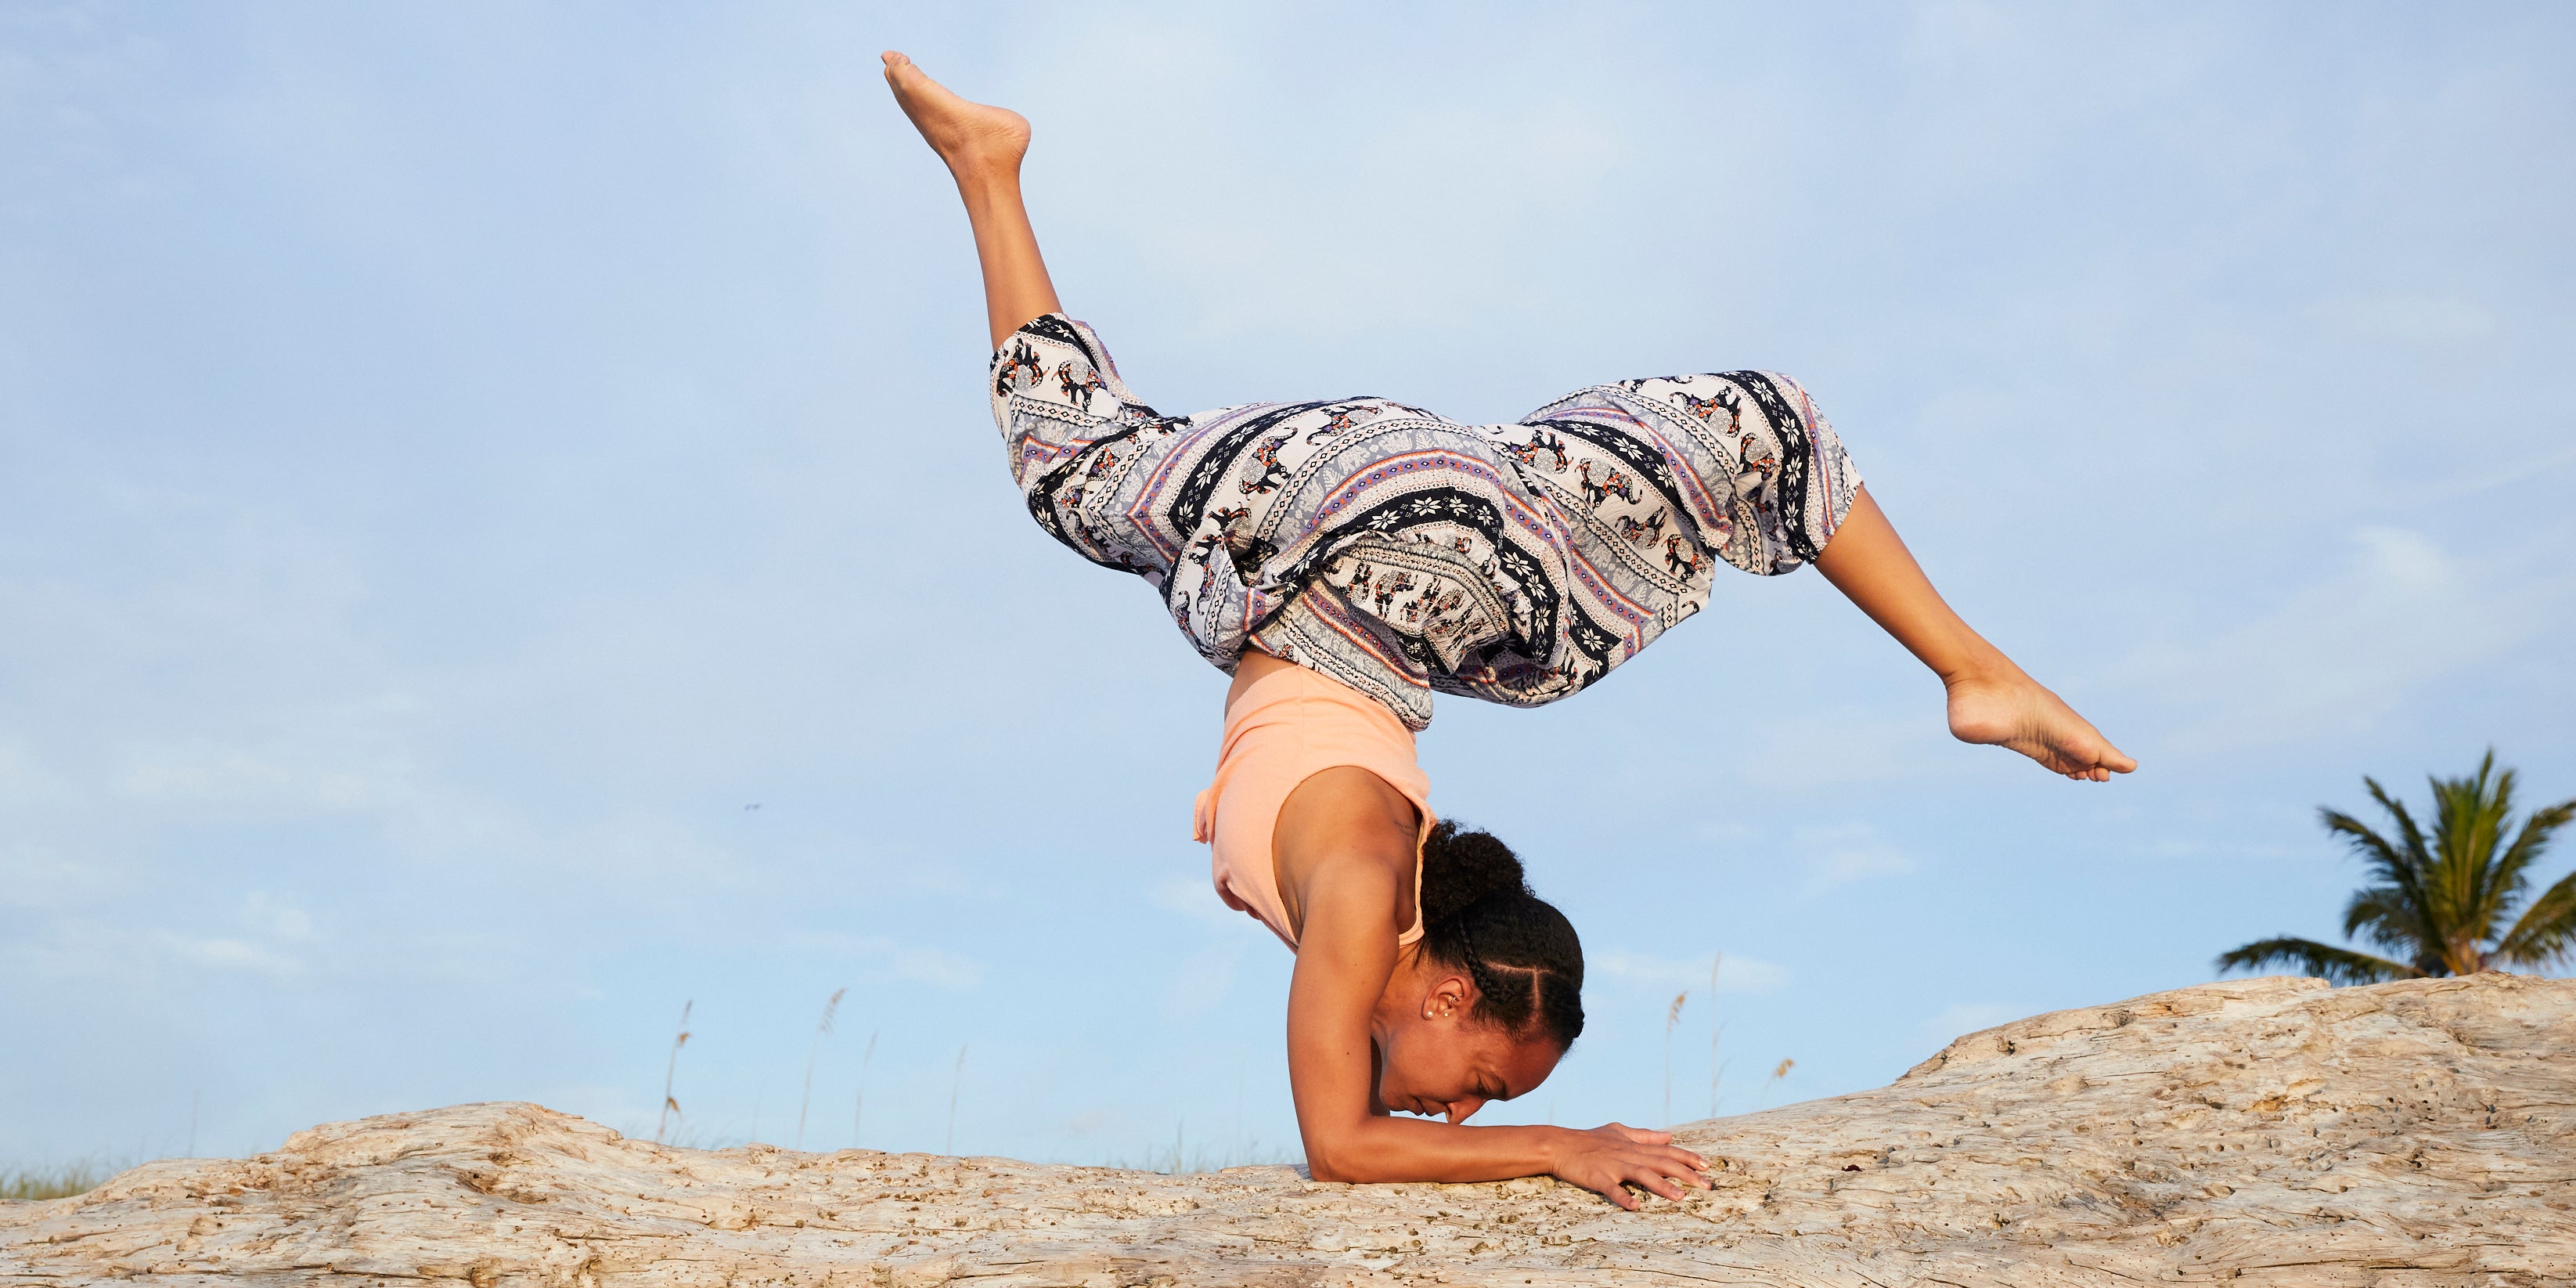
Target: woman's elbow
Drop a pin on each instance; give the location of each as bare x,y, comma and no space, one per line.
1340,1160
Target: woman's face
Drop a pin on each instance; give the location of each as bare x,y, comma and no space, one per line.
1447,1065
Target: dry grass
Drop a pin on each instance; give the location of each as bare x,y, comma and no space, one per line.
1184,1156
672,1070
34,1184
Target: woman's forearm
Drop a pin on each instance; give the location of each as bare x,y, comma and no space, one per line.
1414,1149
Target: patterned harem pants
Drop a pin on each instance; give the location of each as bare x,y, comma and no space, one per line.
1404,554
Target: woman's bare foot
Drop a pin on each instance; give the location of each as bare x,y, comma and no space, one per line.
977,141
983,146
2006,708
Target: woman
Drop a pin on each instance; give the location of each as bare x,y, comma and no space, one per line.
1344,560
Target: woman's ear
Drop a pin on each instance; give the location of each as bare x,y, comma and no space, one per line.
1450,995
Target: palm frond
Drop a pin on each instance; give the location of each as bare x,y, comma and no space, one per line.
2470,816
2386,915
2417,855
2342,965
2399,868
2529,844
2546,931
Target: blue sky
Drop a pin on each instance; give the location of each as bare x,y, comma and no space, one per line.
454,461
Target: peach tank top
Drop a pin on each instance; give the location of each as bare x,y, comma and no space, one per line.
1280,731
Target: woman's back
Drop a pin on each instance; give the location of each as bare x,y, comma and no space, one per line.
1286,725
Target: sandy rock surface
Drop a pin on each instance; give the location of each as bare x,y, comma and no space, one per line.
2264,1132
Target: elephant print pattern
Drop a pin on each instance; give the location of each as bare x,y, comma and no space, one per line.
1404,554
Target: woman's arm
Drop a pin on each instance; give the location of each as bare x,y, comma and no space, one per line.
1351,884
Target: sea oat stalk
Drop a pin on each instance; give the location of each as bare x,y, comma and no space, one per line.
670,1106
814,1049
1672,1016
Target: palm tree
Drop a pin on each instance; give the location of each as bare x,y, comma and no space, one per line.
2436,903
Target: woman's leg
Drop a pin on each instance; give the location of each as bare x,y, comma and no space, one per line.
1991,700
983,146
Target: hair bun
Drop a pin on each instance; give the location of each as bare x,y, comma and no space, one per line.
1479,914
1460,869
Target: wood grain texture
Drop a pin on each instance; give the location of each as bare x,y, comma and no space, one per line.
2259,1132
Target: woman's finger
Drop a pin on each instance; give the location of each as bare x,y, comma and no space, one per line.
1676,1160
1667,1173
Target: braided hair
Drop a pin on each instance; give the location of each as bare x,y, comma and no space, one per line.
1479,915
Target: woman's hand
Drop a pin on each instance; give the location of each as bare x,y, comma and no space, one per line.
1608,1159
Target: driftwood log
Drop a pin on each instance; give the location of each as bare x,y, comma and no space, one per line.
2271,1131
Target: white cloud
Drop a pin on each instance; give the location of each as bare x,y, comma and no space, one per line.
1847,746
1201,983
1736,973
2175,847
23,781
230,953
934,966
307,778
1844,853
277,918
1417,198
930,965
83,952
1197,901
2484,476
2399,613
40,876
2416,319
1968,1017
